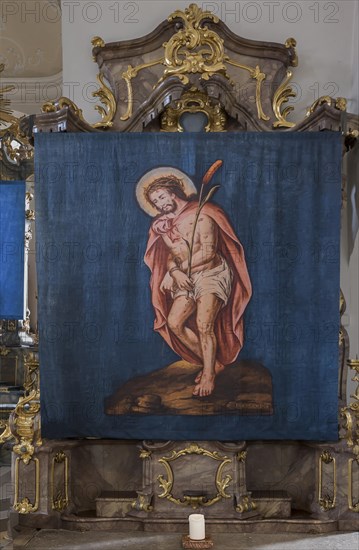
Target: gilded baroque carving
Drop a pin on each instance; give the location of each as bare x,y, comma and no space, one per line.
103,93
327,502
291,43
60,501
145,454
194,101
97,42
30,215
221,482
350,416
352,504
14,143
25,428
24,421
107,98
350,413
194,49
339,103
242,456
245,504
24,505
143,502
54,106
128,75
32,376
281,96
255,73
6,434
28,237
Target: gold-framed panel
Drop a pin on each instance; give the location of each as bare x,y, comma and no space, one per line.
221,481
327,501
23,505
353,505
60,500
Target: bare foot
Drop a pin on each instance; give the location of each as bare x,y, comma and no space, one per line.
218,367
198,377
205,386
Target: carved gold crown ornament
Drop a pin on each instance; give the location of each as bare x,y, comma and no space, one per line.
194,49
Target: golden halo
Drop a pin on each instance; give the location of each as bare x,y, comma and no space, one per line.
146,180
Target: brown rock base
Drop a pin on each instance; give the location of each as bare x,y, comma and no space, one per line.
242,388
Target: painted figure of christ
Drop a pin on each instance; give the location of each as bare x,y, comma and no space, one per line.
199,297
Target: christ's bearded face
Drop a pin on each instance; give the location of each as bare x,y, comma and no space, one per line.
164,201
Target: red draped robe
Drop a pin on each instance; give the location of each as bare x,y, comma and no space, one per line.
229,321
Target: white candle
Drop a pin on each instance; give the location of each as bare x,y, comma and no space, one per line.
196,527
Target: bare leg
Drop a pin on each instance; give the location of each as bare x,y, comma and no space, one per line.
182,308
207,310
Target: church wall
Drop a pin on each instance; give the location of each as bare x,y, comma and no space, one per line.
325,34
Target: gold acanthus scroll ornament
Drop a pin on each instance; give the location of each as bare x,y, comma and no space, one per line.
194,49
281,96
339,103
104,94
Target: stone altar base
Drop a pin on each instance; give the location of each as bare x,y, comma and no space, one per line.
164,475
175,525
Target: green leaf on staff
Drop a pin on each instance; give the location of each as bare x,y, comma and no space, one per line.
211,192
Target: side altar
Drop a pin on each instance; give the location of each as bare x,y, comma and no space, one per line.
188,70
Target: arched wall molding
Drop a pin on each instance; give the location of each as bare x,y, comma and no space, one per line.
29,94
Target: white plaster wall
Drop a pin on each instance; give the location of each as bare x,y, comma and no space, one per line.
326,33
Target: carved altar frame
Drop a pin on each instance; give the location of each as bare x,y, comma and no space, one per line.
192,63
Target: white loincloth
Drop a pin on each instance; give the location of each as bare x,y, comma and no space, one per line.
217,281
